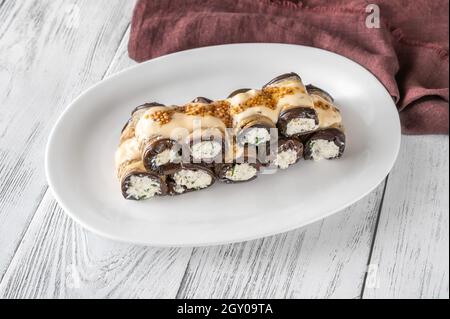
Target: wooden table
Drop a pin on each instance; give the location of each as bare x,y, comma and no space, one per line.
392,244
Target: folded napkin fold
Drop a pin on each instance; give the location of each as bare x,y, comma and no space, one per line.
408,52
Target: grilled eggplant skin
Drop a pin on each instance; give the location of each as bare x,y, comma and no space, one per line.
314,90
172,186
282,78
296,113
332,135
153,149
125,182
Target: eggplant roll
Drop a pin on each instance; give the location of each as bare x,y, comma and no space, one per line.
325,144
297,115
207,146
236,92
314,90
254,130
183,148
237,172
298,121
162,155
138,184
284,78
189,178
254,114
327,113
289,152
245,168
202,100
306,120
129,128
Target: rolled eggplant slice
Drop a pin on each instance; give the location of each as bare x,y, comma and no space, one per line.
162,155
244,168
284,78
289,152
314,90
189,178
238,91
327,113
257,134
129,127
237,172
326,144
202,100
298,121
146,106
138,184
254,130
206,145
208,149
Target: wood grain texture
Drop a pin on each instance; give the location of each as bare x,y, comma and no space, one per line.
59,259
411,250
327,259
49,52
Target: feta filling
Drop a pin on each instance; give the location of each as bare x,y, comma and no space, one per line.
206,150
323,149
300,125
142,187
179,189
256,136
285,159
192,179
167,156
241,172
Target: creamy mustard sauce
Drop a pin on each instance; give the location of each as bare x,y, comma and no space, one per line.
179,123
299,97
328,114
128,151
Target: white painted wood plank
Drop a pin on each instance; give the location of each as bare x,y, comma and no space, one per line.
411,251
59,259
49,52
327,259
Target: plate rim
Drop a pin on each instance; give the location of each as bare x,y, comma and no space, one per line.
259,235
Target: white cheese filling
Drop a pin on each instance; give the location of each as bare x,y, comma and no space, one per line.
142,187
167,156
206,150
285,159
323,149
256,136
179,189
300,125
241,172
192,179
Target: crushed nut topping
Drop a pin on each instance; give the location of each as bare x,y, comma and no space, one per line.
268,97
162,117
219,109
280,92
261,99
223,110
322,105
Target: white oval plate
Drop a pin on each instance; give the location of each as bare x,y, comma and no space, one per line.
80,151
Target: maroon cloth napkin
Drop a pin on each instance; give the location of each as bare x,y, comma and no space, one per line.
408,53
